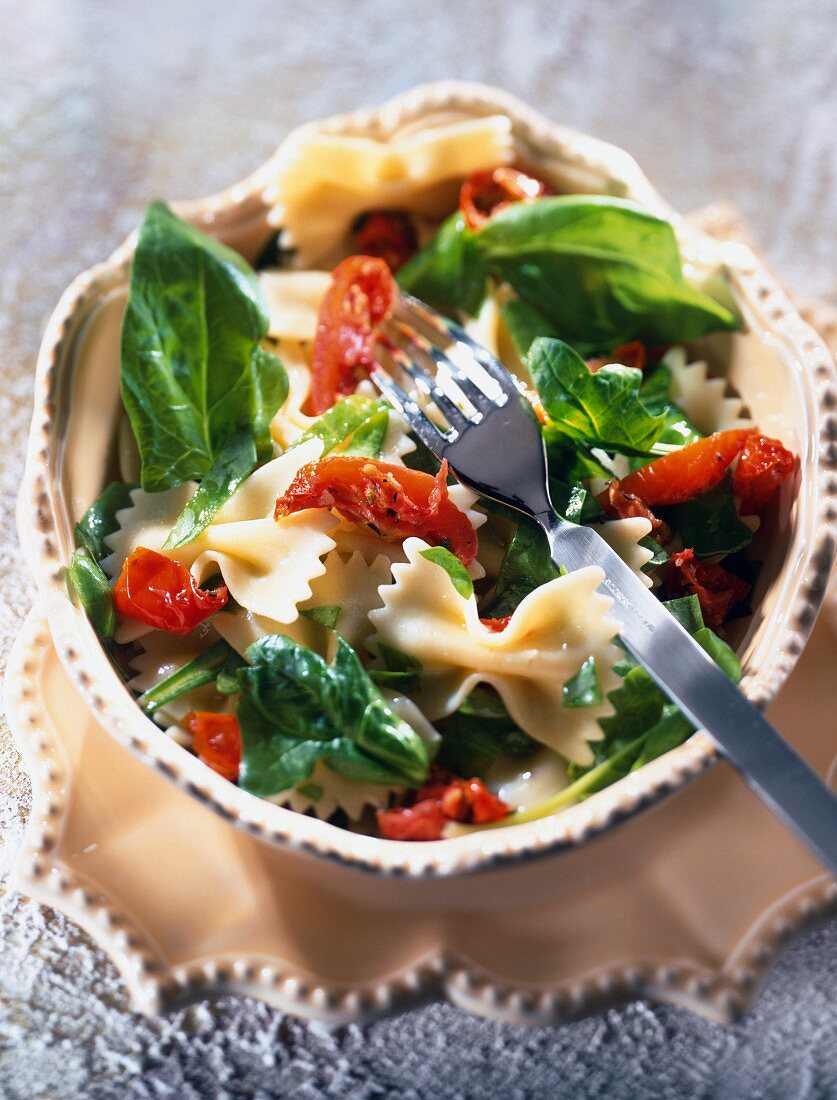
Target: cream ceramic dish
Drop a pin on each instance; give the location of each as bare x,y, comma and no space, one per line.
779,366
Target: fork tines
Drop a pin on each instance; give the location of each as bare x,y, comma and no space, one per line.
454,379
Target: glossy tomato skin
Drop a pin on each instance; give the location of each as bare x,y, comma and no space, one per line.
496,626
718,591
688,472
216,740
389,235
162,593
360,297
394,500
489,191
762,467
443,798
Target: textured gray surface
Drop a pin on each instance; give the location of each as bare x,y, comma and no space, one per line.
103,106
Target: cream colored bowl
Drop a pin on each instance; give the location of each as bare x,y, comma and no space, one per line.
779,366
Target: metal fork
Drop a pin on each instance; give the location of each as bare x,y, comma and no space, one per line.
468,409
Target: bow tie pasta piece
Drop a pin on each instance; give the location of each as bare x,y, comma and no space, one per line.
240,628
704,400
321,182
352,584
623,536
553,631
293,302
267,564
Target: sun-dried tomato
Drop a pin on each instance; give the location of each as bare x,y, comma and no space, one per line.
360,297
717,590
162,593
762,467
688,472
387,234
216,740
444,797
496,626
395,500
423,821
618,504
633,354
489,191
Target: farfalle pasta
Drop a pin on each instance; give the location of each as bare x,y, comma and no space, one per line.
303,595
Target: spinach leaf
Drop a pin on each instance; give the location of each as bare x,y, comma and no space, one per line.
193,375
100,520
354,425
295,709
525,325
686,609
201,670
232,466
527,565
449,270
478,733
327,615
226,681
600,270
454,568
582,690
659,556
86,579
601,409
710,524
654,393
574,502
401,672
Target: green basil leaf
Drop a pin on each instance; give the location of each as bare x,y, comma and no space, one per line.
478,733
201,670
401,672
270,392
574,502
526,566
600,270
449,270
86,579
654,393
327,615
724,657
710,524
659,556
671,729
453,567
226,682
192,379
686,609
601,409
233,465
354,425
524,325
582,690
100,520
295,709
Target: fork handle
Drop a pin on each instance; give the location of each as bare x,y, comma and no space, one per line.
710,700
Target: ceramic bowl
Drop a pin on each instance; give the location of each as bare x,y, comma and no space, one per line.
778,365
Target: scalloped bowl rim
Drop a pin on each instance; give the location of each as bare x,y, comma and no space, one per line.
113,705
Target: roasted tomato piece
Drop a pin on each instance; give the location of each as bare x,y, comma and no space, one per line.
470,800
443,798
716,588
387,234
423,821
762,467
360,297
216,740
496,626
618,504
162,593
633,354
688,472
394,500
493,189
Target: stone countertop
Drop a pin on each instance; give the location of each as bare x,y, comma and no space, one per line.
105,106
